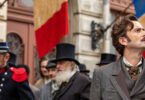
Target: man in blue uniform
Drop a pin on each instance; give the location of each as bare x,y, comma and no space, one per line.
13,81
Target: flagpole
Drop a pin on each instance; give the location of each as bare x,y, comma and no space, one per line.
117,17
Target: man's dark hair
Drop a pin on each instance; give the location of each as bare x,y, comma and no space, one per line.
12,59
120,30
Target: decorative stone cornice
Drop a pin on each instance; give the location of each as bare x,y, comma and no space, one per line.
120,5
19,12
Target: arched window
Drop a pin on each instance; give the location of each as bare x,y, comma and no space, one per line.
16,47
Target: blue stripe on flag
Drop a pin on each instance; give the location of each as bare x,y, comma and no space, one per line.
139,7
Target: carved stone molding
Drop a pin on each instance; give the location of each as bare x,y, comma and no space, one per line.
16,47
17,11
120,5
18,4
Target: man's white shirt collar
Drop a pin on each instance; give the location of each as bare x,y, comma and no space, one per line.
129,64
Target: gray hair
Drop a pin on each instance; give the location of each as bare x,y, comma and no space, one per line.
76,68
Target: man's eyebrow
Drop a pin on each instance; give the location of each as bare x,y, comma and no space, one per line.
138,28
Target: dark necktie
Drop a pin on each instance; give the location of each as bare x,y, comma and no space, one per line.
133,72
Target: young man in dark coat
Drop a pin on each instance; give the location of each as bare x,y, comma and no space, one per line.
46,91
72,84
13,81
123,79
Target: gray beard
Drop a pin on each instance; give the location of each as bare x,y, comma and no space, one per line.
64,76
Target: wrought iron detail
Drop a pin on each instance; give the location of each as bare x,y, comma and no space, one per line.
97,32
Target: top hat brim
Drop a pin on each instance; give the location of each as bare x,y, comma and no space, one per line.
69,59
86,71
47,67
101,63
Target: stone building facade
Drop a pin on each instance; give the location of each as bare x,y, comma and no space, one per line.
20,32
3,18
83,12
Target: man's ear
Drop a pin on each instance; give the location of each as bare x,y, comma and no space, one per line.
123,41
72,65
7,56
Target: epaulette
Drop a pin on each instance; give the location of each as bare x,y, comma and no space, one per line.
19,74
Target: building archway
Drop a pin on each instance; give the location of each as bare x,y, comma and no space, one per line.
16,46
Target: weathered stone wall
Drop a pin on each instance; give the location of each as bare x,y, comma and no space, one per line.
82,13
3,24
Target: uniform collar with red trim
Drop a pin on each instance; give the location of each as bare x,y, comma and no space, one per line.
2,70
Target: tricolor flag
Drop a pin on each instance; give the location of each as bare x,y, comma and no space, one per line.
139,6
140,10
50,22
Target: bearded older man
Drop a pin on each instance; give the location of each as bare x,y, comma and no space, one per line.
72,84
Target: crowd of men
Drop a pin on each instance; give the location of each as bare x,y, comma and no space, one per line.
67,79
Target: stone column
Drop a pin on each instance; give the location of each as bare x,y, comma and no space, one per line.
3,18
107,42
83,13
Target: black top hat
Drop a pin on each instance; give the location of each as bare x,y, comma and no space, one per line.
107,58
82,68
51,64
4,47
65,51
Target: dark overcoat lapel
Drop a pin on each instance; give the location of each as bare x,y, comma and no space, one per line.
118,80
140,83
65,88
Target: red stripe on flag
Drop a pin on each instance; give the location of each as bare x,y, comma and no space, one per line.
50,33
143,54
